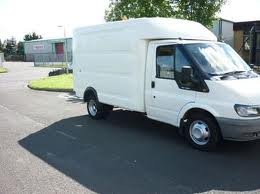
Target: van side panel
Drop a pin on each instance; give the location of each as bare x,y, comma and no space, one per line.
111,57
111,64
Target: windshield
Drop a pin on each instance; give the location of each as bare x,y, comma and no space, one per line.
217,58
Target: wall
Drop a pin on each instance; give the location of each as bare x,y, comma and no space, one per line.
215,28
238,43
45,46
223,29
227,32
238,36
43,51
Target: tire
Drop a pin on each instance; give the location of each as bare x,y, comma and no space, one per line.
202,132
97,110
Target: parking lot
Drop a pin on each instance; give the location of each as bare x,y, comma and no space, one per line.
49,145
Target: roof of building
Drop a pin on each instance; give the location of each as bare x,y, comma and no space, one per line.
154,28
47,39
246,25
226,20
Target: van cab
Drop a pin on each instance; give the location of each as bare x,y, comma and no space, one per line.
173,71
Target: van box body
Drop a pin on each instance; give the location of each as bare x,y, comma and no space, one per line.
112,57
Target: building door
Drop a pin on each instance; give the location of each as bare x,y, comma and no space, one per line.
59,48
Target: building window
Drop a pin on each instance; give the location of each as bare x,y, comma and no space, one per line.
165,62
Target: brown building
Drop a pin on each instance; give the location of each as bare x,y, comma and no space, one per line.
247,41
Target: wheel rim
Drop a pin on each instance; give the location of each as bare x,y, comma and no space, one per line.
199,132
92,107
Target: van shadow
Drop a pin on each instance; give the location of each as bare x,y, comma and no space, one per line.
128,153
72,98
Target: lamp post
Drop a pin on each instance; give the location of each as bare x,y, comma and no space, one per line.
65,48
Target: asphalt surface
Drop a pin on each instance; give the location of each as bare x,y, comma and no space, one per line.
49,145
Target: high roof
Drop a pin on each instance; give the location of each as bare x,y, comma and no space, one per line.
155,28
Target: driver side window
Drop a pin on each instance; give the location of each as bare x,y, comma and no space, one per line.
180,61
165,62
170,60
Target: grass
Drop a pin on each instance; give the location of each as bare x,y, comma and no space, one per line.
3,70
64,81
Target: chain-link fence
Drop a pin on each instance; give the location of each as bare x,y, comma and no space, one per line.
41,59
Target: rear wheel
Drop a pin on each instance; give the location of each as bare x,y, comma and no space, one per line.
202,132
97,110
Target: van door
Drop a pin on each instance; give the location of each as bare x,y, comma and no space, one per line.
165,95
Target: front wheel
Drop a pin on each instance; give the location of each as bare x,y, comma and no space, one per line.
97,110
202,132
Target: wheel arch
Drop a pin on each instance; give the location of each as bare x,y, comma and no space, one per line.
192,109
90,91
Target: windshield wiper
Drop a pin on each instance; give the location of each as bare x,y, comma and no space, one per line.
233,72
227,73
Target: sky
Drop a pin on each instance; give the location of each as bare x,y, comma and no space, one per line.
19,17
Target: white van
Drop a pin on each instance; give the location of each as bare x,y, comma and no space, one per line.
172,70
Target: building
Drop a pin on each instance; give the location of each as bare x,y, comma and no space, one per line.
2,59
244,37
247,41
223,30
48,51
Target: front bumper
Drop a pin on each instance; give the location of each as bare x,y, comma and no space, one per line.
239,129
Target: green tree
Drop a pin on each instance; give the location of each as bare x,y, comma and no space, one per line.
10,46
20,48
203,11
32,36
118,9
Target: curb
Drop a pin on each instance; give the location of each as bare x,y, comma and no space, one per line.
50,89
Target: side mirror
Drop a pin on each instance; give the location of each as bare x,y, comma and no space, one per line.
186,74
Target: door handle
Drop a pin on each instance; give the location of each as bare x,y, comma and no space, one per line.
153,84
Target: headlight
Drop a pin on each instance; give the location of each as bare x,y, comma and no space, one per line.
247,111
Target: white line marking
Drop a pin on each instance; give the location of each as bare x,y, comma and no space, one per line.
22,115
66,135
50,154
